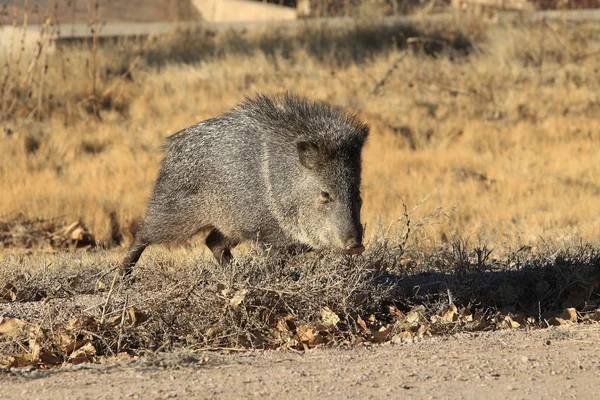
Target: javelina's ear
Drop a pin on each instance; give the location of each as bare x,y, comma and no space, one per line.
308,153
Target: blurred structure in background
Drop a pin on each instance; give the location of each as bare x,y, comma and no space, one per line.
80,11
161,11
243,10
65,20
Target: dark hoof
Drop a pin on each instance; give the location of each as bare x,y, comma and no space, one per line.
353,247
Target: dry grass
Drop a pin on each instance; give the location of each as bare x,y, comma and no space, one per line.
502,135
76,311
481,167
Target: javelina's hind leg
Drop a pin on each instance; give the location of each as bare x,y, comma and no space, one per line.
220,246
135,251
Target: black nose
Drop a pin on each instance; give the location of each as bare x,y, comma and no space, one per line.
353,246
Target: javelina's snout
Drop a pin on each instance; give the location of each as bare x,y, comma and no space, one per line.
353,246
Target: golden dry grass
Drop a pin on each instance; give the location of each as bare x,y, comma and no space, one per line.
493,141
504,140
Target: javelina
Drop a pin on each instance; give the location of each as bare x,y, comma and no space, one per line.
280,170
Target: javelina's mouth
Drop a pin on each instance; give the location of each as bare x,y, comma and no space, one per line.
356,248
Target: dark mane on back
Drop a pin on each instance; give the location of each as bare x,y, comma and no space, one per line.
290,117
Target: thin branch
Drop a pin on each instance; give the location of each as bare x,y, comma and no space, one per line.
109,296
387,74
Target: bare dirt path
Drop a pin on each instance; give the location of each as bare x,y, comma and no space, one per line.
556,363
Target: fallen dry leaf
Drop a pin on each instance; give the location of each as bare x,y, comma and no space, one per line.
75,345
308,335
75,234
12,327
450,315
17,361
423,330
8,292
82,322
237,298
569,314
402,337
328,317
412,317
6,361
363,324
211,332
47,358
381,335
394,311
286,324
508,323
557,321
123,356
83,355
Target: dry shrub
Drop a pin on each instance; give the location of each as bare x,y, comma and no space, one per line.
21,232
91,77
393,292
356,41
24,66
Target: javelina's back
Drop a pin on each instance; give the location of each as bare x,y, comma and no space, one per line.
280,170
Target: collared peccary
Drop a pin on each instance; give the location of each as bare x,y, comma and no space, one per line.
279,169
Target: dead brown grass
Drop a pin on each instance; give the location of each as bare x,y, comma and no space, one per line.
502,134
69,308
481,167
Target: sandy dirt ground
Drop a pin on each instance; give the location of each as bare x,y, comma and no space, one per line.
556,363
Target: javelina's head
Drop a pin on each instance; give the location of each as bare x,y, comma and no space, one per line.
312,162
330,201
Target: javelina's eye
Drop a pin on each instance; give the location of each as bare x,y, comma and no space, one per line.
325,197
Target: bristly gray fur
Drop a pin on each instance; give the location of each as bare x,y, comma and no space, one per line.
278,169
292,117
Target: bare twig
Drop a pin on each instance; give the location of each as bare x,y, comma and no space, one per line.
542,51
387,74
109,296
456,90
407,233
101,338
122,77
94,26
44,42
122,324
